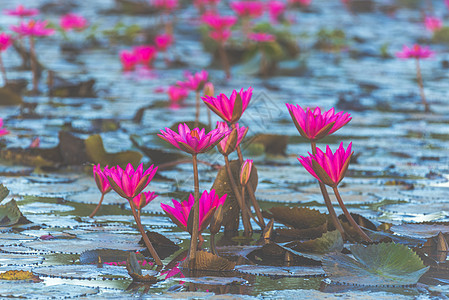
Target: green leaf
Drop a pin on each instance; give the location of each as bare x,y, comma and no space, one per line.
297,217
98,155
328,242
9,213
384,264
4,192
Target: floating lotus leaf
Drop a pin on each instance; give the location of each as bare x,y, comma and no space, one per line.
4,192
77,246
110,236
384,264
341,293
206,261
295,271
328,242
273,143
7,259
275,255
98,155
11,215
9,97
297,217
40,208
222,186
163,246
214,280
106,255
90,272
19,275
421,230
36,157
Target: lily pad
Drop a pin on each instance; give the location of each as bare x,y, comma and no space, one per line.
384,264
214,280
295,271
77,246
206,261
7,259
89,272
328,242
106,255
421,230
98,155
297,217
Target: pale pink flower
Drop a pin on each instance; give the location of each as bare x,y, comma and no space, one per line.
129,60
194,82
21,11
145,54
276,9
163,41
177,94
416,51
220,36
433,23
219,23
250,9
5,41
261,37
33,28
73,21
3,131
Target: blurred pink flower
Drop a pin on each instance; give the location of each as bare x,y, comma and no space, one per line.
163,41
329,168
33,28
145,54
73,21
192,141
129,183
276,9
252,9
220,36
261,37
129,60
315,125
415,52
35,143
21,11
433,23
177,94
5,41
194,82
219,23
226,108
3,131
143,199
179,213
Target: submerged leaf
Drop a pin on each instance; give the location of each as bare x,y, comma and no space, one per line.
328,242
98,155
384,264
297,217
206,261
295,271
273,143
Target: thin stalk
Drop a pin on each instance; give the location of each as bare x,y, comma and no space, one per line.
244,207
327,200
224,60
33,64
197,113
349,217
421,87
246,223
97,208
144,235
251,193
196,214
212,244
2,67
138,213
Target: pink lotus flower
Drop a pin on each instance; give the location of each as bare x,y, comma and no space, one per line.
101,179
73,21
145,54
245,171
261,37
229,109
33,28
129,60
21,11
415,52
328,167
179,213
232,139
142,200
433,23
192,141
276,9
129,183
5,41
251,9
447,3
177,94
168,5
220,36
314,125
194,82
163,41
219,23
3,131
35,143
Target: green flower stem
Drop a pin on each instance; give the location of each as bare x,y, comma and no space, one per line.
252,196
327,200
196,215
33,61
245,214
421,87
213,248
197,113
144,235
244,207
354,224
224,59
97,208
2,67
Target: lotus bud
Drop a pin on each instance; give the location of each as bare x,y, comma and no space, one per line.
245,171
209,89
217,219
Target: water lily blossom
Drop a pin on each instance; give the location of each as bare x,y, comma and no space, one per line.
5,41
143,199
3,131
416,51
232,139
163,41
251,9
229,109
176,94
145,54
129,183
192,141
180,211
129,60
261,37
314,125
219,23
328,167
33,28
433,23
21,11
73,21
194,82
276,9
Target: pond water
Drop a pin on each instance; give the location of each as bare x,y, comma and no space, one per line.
401,173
